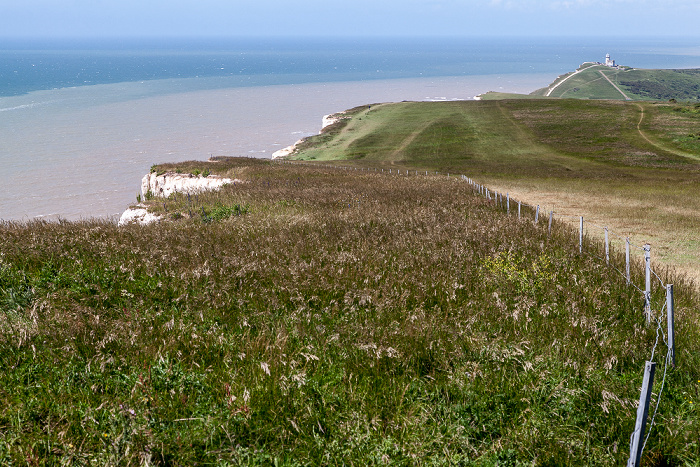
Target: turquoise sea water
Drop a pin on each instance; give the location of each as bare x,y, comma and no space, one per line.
81,122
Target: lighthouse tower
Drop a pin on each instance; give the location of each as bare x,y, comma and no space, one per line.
608,62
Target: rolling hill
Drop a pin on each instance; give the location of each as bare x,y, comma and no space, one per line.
595,81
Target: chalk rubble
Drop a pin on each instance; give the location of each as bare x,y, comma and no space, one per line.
138,214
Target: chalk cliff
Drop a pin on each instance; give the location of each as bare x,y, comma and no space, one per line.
168,183
327,121
164,185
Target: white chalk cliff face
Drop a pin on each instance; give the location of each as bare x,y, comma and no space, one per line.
284,152
168,183
327,121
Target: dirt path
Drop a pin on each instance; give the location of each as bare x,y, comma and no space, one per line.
560,82
627,98
658,145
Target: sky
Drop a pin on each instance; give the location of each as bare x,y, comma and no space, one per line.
341,18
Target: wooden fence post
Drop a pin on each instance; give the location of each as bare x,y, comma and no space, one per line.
607,248
636,445
580,237
537,214
647,282
671,332
549,229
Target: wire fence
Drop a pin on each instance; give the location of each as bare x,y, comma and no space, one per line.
659,313
656,313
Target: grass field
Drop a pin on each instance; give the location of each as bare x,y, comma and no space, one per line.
600,82
634,167
313,316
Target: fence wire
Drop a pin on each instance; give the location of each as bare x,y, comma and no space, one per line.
662,311
498,199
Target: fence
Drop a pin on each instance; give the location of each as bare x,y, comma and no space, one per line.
662,315
659,314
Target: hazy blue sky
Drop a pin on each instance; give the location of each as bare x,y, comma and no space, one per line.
347,17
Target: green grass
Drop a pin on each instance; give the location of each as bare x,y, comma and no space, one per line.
579,157
636,84
345,318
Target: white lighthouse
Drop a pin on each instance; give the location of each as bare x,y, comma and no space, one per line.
608,62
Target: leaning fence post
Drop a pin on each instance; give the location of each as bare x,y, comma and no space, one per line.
580,237
627,259
549,228
669,311
647,282
636,445
607,248
537,214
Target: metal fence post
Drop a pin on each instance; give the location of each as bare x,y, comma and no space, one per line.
549,229
607,248
518,209
508,203
537,214
580,237
647,282
636,444
669,311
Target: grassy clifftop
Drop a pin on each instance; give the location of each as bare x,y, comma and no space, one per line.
346,318
632,166
600,82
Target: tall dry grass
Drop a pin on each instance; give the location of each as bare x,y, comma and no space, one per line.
345,318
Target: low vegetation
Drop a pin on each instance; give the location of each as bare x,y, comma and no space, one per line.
623,83
598,82
632,166
341,318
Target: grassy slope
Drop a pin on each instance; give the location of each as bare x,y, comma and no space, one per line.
582,157
346,319
637,84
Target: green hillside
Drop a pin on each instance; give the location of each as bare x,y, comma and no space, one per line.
317,316
566,153
592,81
314,315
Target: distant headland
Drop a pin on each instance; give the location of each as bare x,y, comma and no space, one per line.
609,80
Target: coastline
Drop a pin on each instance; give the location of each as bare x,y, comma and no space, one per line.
94,148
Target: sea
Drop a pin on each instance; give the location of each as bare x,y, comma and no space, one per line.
81,121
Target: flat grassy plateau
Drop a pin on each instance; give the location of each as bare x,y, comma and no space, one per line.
318,316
